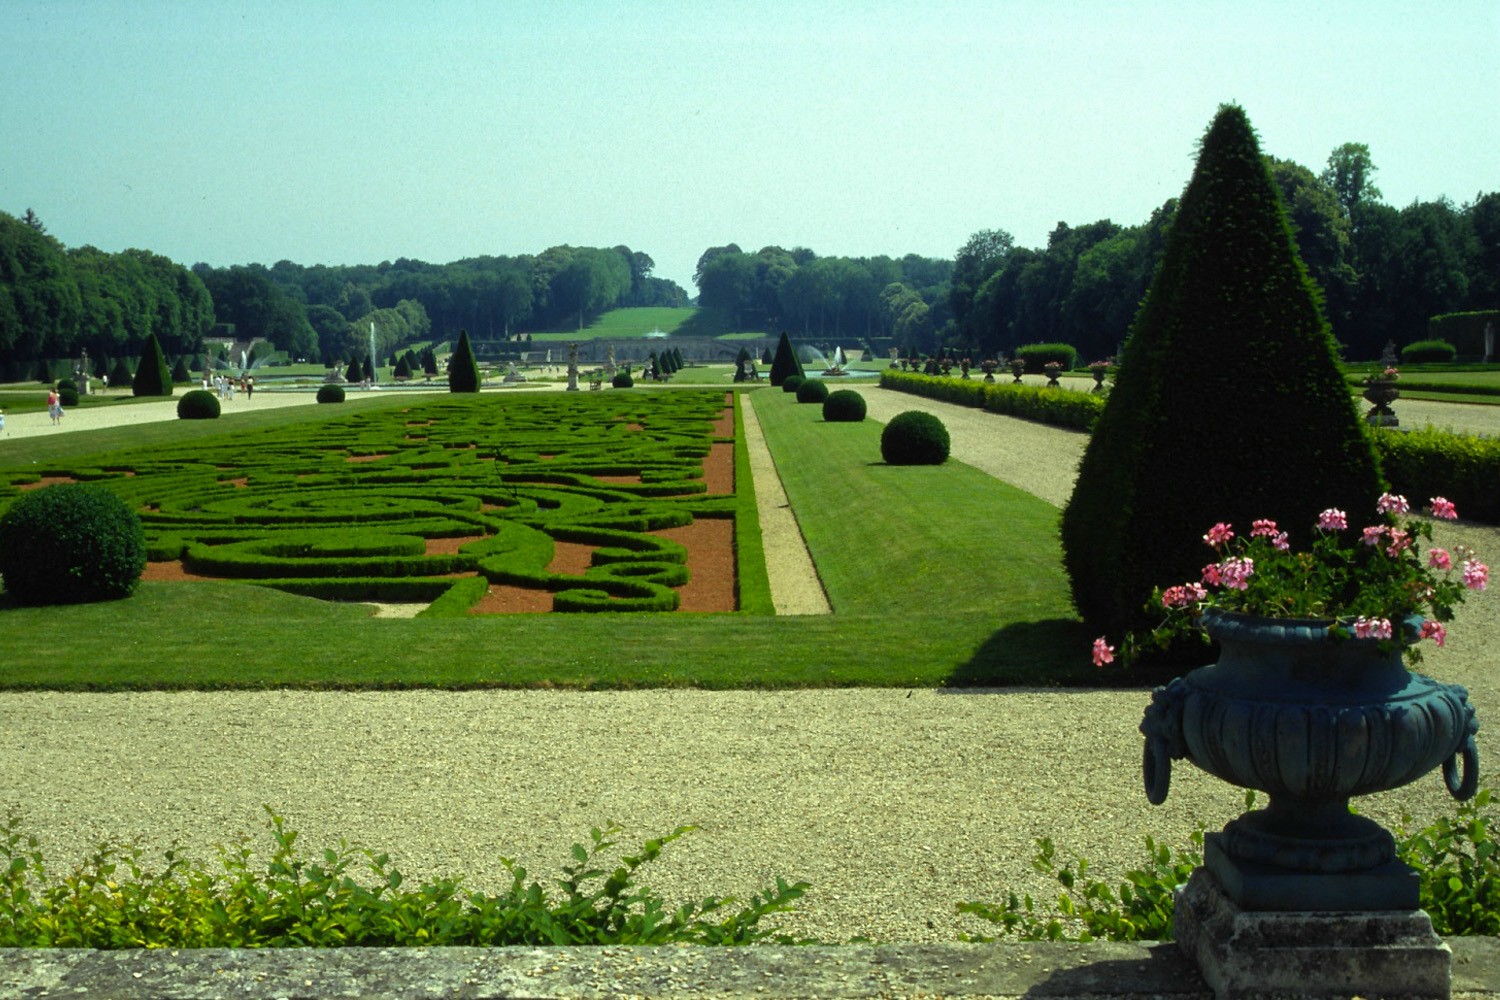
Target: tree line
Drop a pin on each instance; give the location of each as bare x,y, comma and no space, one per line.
1383,271
56,302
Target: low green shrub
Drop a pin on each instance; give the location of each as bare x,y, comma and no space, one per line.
812,391
914,438
791,383
67,392
198,404
70,543
1077,410
1457,860
1427,462
330,393
1036,356
1427,351
118,899
844,405
622,380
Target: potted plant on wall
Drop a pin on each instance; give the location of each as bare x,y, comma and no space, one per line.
1310,700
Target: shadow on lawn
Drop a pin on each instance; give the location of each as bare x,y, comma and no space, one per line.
1054,652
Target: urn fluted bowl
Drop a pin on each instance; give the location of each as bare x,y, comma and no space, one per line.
1299,713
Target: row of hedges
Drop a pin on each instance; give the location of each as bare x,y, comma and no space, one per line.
1421,463
1059,407
1465,330
1036,356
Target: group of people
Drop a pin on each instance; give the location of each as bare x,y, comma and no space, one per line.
224,385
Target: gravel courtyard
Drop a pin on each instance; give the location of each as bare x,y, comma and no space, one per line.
894,804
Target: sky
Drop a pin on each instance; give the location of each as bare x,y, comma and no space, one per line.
326,132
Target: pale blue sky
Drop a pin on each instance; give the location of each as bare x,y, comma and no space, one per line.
343,133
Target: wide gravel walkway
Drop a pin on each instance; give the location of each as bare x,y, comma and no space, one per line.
894,804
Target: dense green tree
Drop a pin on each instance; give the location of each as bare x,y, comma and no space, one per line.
463,370
1320,225
39,301
1350,172
979,258
1228,406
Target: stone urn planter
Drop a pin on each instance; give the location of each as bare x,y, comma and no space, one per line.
1017,369
1312,720
1382,395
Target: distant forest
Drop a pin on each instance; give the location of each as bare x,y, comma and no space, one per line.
1383,271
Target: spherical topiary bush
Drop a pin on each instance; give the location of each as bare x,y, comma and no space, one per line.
812,391
198,404
1428,351
844,405
68,544
67,392
791,382
914,438
622,380
330,393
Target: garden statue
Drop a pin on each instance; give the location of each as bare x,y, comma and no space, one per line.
572,367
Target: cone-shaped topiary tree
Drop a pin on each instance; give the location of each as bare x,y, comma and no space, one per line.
1229,405
355,372
463,370
119,375
180,373
152,376
785,362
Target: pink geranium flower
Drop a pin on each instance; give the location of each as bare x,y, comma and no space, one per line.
1439,559
1372,628
1104,653
1211,575
1373,534
1219,534
1236,572
1391,503
1264,527
1443,508
1476,574
1333,519
1434,631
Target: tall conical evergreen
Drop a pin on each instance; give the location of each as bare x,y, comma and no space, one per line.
152,376
463,370
785,364
1229,405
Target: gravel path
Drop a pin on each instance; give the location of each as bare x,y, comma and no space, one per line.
894,804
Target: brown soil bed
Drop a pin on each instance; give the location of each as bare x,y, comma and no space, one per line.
46,481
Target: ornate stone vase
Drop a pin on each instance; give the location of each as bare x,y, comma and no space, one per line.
1312,720
1382,395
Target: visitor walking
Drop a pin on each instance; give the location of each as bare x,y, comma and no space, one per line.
54,407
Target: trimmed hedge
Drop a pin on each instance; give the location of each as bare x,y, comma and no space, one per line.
914,437
152,376
1077,410
69,544
1427,352
791,382
812,391
785,364
1464,330
198,404
1036,356
844,406
330,393
1426,463
622,380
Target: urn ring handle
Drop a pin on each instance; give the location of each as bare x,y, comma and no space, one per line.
1464,789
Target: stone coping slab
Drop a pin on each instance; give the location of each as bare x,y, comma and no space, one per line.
1009,969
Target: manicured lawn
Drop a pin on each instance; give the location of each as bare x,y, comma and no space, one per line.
939,576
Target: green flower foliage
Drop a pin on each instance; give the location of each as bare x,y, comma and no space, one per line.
463,370
330,393
198,404
152,376
69,544
1228,404
347,897
914,437
1456,858
844,406
812,391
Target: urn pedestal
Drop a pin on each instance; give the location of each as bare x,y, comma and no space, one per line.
1382,395
1311,719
